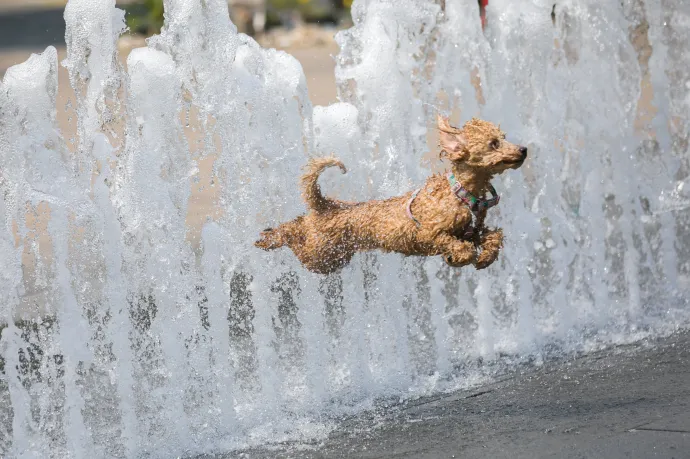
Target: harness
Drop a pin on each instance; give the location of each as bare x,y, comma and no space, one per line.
409,207
476,205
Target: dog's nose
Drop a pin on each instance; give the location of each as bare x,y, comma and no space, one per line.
523,151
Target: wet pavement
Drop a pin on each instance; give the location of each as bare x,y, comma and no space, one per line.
625,402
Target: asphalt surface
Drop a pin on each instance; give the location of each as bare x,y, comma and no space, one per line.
625,402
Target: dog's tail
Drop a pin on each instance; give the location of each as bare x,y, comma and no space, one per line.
311,192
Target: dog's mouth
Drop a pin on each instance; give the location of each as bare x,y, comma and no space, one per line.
513,162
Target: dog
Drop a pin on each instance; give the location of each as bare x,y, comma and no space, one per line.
445,217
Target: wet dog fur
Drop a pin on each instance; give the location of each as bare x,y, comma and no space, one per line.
326,238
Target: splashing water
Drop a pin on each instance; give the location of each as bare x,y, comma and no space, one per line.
146,347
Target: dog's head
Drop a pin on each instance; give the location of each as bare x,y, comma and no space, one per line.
480,145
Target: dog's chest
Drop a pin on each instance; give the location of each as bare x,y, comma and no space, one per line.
462,222
448,212
466,224
452,213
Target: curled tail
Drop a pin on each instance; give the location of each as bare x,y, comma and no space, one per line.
311,192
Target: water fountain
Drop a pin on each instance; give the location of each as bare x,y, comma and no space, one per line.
145,347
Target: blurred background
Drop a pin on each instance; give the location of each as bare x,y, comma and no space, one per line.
304,28
252,17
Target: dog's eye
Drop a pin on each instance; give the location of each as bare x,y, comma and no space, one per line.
495,144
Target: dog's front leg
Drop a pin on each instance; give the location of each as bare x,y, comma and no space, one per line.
490,245
455,252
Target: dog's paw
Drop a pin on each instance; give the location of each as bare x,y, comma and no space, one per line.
268,241
263,244
491,243
486,258
492,238
463,255
450,262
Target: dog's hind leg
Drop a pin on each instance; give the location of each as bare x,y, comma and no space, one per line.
287,234
270,239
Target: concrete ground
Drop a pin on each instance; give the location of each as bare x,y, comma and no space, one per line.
625,402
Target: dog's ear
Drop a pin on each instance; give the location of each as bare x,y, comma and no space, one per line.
443,124
451,140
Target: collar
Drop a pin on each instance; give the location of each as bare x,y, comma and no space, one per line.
466,197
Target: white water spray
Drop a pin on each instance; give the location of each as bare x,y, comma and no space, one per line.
146,348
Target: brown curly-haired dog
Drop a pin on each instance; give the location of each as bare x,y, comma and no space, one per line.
437,219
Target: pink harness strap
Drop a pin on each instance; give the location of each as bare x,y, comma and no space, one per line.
409,207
